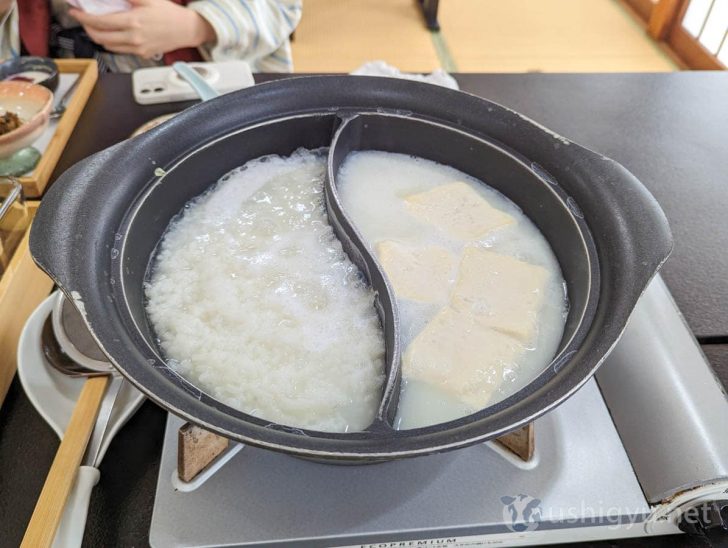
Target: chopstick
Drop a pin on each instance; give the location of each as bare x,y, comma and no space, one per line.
48,510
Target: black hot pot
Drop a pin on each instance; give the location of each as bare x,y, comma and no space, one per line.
99,225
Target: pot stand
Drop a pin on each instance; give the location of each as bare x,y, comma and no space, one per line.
198,450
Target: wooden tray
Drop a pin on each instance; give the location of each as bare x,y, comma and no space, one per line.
13,220
87,69
22,288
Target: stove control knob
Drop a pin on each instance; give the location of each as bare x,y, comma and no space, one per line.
707,520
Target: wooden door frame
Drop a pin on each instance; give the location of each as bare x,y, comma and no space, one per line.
662,21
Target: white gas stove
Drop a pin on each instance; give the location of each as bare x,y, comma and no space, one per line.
626,456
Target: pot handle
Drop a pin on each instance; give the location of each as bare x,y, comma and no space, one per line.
639,232
53,242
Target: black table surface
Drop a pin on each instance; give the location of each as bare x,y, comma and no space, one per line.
671,130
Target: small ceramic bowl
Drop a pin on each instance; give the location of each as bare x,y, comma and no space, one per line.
33,70
32,103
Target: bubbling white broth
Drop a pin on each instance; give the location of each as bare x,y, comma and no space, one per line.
481,296
254,300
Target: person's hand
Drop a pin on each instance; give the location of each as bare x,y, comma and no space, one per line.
151,27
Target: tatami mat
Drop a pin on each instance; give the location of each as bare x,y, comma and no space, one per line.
340,35
479,36
547,35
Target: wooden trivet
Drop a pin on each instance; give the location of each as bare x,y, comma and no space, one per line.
520,442
196,450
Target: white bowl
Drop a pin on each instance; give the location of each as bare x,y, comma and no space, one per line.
32,103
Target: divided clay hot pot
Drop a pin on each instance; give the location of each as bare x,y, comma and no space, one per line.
98,227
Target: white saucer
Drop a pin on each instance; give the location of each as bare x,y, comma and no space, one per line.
52,393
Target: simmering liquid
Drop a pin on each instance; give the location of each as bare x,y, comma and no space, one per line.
481,296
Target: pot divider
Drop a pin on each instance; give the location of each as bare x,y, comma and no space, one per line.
359,253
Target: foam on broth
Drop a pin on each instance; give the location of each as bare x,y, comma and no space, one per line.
254,300
373,186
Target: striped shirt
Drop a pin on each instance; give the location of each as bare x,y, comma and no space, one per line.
256,31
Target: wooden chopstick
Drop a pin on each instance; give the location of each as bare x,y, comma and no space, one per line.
48,510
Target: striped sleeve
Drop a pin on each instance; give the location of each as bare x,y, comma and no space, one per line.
9,38
256,31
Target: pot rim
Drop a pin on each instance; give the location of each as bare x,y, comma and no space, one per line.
509,414
549,371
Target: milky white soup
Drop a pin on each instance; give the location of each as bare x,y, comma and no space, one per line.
481,296
255,302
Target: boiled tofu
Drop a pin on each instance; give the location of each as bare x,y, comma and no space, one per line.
422,274
505,293
458,210
459,354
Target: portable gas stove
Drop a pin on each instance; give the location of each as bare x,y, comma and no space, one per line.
640,450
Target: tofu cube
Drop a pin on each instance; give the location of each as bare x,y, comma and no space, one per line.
422,274
459,354
458,210
505,293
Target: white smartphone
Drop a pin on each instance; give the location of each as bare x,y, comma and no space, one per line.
155,85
